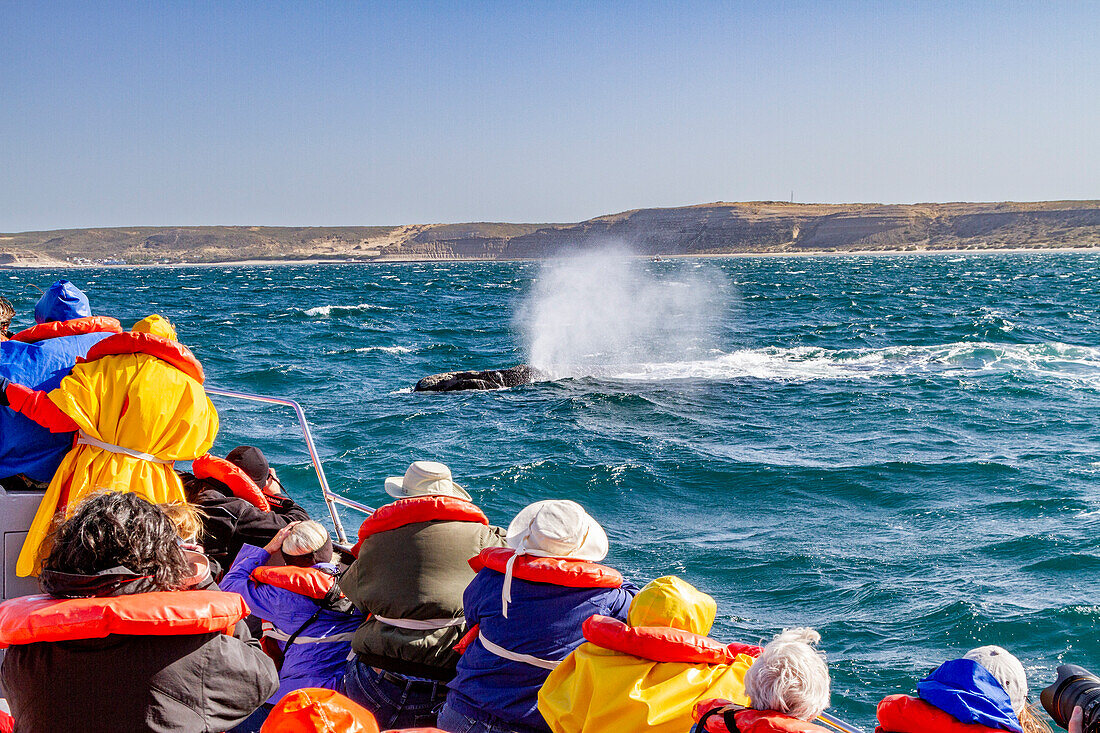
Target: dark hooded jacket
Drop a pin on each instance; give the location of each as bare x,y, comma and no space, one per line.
230,522
181,684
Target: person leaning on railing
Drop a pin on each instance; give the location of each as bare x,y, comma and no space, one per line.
411,570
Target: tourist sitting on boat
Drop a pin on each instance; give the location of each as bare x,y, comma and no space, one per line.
116,645
291,583
787,686
648,673
411,571
137,404
7,313
525,609
40,357
319,710
241,501
986,690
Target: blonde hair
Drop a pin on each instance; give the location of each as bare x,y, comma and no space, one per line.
305,537
1031,722
790,676
187,518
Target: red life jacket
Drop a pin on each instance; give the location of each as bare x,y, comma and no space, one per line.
418,509
30,619
165,349
661,643
72,327
552,570
230,474
750,721
312,582
905,714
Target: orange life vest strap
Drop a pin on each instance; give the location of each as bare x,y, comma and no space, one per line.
312,582
72,327
233,476
418,509
753,721
165,349
552,570
905,714
30,619
656,643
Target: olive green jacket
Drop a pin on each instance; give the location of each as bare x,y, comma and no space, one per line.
418,571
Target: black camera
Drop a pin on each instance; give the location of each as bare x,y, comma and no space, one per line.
1074,686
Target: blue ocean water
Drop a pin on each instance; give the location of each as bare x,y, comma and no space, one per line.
900,451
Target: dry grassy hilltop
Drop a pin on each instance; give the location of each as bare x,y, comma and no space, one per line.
704,229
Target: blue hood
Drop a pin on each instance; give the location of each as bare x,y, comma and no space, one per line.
966,691
63,301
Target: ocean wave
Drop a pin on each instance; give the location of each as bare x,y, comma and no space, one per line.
1079,364
384,349
324,311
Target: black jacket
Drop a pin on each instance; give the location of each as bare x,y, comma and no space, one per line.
166,684
231,522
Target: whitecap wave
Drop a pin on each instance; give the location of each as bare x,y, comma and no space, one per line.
384,349
324,311
1054,361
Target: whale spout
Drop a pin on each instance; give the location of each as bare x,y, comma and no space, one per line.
485,379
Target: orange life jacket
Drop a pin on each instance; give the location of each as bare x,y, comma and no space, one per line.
905,714
165,349
418,509
31,619
746,720
317,710
72,327
311,582
233,476
661,643
552,570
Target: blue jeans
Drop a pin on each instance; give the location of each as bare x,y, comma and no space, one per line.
453,721
412,703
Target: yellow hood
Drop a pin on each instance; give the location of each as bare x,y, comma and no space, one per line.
597,690
156,325
669,601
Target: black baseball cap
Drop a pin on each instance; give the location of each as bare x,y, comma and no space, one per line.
252,461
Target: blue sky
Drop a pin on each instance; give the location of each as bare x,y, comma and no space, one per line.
315,113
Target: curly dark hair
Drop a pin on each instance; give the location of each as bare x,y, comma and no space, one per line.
7,312
114,528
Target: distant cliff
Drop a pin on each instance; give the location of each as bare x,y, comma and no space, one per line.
705,229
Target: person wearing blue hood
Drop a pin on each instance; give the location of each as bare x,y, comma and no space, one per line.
986,690
39,357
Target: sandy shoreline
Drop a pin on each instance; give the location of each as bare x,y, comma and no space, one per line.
400,261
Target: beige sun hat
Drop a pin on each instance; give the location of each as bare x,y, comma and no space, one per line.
557,528
425,478
552,528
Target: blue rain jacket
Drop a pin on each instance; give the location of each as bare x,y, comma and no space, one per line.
62,301
25,446
543,621
311,661
966,691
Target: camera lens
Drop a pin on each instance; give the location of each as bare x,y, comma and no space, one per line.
1074,686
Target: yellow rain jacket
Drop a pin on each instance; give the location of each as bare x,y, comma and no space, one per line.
137,393
600,690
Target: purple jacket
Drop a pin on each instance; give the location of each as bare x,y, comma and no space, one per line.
317,657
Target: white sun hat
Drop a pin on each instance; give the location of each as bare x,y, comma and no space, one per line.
1007,670
552,528
425,478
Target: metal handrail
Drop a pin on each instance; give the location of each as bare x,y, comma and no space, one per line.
331,499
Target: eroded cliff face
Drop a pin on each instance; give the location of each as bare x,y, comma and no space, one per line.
717,228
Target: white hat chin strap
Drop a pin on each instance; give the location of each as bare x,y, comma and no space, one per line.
506,592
